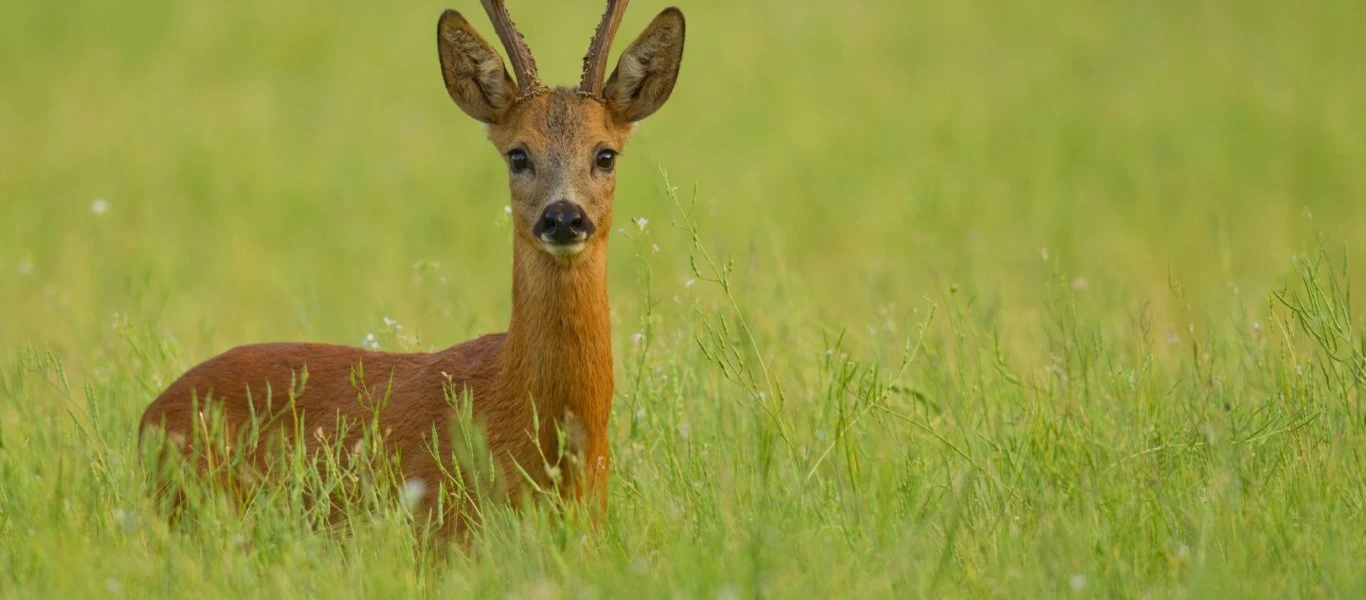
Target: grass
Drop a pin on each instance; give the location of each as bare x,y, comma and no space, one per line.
944,299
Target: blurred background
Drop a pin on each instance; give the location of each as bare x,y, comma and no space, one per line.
254,170
1010,264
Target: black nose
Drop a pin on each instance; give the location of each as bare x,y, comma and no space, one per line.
563,222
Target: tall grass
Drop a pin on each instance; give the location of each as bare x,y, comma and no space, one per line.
935,299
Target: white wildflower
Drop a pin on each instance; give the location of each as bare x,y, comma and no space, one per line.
543,589
413,490
640,222
507,209
639,565
689,283
99,206
124,519
1078,582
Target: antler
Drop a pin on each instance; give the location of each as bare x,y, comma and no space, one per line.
595,62
523,63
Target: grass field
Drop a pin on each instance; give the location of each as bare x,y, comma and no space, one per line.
1023,299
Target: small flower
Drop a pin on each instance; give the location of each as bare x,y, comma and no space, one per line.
392,324
1043,253
542,590
99,206
507,209
640,565
412,492
1256,328
654,248
124,519
637,338
370,342
640,222
689,283
1077,581
1183,552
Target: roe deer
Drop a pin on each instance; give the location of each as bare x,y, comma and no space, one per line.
551,371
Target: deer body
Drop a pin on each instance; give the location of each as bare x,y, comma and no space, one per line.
541,393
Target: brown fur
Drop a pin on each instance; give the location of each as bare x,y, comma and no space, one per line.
648,69
472,71
551,372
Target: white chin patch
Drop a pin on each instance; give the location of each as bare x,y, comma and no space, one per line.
564,249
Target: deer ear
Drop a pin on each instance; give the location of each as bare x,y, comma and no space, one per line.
647,70
473,71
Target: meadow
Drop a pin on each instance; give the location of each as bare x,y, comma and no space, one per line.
910,299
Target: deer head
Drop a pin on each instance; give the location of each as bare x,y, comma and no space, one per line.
560,144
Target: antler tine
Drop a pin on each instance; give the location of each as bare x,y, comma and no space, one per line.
595,62
523,63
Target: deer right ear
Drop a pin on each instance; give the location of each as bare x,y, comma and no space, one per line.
473,71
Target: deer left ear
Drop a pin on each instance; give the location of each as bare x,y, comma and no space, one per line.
647,70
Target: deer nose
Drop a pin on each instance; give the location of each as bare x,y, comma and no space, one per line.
563,222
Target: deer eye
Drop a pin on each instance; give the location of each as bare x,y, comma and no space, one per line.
606,160
518,161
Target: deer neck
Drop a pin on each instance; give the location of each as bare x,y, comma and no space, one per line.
558,350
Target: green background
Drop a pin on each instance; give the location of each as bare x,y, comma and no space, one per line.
1011,266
